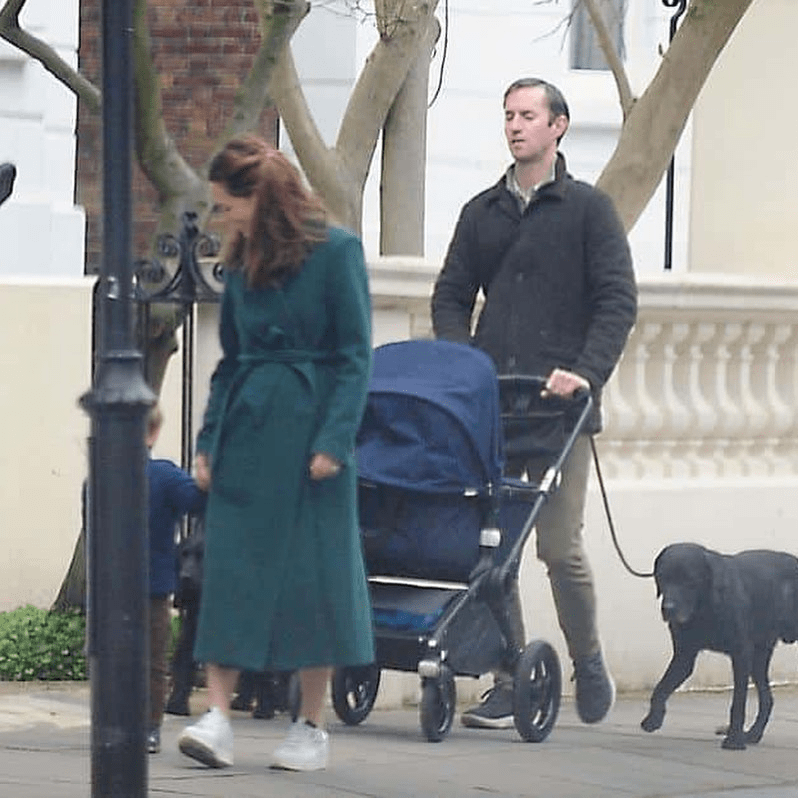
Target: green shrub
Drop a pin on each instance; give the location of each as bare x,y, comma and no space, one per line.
39,644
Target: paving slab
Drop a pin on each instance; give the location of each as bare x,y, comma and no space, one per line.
45,752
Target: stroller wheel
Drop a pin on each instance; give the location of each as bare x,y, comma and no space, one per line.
438,702
354,691
536,691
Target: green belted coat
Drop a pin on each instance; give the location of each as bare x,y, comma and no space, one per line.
284,580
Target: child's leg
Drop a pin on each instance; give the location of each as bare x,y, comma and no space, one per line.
160,629
183,660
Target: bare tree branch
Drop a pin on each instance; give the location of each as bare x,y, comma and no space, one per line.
339,173
378,84
40,51
178,185
650,134
320,163
279,20
625,95
404,158
390,14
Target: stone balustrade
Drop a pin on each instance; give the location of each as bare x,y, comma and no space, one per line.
707,385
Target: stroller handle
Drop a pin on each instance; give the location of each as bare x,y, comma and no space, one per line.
522,395
522,403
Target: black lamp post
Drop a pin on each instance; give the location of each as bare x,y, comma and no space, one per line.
117,403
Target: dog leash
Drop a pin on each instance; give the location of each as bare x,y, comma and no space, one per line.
607,512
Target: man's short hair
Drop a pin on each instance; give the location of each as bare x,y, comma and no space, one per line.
557,104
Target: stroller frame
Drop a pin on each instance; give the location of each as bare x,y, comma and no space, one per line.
465,627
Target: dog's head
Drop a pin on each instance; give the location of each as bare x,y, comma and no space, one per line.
683,574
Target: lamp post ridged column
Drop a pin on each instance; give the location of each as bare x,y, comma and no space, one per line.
118,402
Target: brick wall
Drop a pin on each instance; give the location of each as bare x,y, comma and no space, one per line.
202,50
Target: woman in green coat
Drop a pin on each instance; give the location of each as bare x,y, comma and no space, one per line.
284,580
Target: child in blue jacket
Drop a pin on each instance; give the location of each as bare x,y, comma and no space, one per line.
172,494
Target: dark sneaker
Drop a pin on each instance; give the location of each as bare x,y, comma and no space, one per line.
154,741
595,690
495,711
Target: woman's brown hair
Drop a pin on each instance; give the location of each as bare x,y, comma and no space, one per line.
288,219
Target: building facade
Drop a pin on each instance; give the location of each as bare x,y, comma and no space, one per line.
701,440
41,225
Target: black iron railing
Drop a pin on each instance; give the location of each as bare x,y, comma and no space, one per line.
185,271
680,6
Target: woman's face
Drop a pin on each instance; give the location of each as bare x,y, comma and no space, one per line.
233,213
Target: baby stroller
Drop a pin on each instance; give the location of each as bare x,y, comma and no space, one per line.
443,530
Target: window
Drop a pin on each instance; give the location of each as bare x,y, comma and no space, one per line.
585,49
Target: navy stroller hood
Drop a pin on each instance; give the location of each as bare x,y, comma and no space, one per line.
432,419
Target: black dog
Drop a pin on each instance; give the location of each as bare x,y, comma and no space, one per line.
740,605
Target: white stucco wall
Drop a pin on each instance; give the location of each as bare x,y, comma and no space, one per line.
41,229
745,203
45,360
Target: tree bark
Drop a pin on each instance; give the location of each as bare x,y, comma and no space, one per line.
404,159
656,121
611,54
339,173
279,20
40,51
72,593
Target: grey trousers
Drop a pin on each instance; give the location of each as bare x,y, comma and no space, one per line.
560,547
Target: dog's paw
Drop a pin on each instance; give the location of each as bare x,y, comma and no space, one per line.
733,743
753,736
652,721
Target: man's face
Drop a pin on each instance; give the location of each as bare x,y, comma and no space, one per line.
531,133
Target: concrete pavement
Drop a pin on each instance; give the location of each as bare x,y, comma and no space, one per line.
45,753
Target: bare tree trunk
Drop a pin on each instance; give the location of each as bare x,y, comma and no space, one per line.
72,593
404,158
338,174
655,122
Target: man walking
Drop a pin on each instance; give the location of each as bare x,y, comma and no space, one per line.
551,258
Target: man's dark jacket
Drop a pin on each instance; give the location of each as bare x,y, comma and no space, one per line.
557,279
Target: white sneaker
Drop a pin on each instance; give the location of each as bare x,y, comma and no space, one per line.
304,748
209,740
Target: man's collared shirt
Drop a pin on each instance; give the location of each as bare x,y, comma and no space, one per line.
525,197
